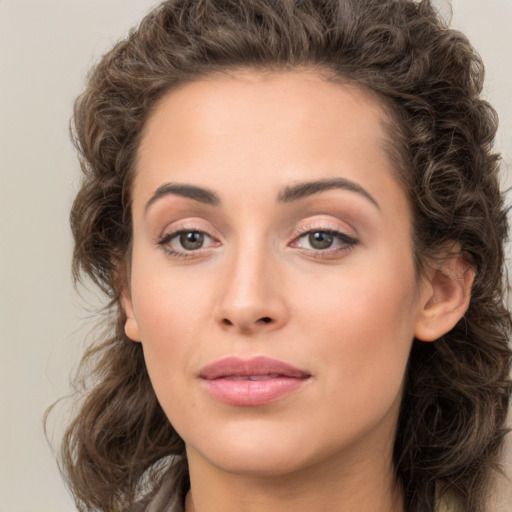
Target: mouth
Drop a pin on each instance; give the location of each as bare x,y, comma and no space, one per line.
254,382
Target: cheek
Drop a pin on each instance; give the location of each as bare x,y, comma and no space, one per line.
371,300
171,313
166,300
363,326
169,327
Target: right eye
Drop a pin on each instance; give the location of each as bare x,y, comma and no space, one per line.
191,240
183,242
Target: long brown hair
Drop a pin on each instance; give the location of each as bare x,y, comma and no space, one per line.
429,78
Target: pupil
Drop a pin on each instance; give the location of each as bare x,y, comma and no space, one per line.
320,240
191,240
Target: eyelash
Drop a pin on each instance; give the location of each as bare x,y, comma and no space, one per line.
166,239
348,242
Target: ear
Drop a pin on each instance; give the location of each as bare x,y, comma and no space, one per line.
445,297
131,327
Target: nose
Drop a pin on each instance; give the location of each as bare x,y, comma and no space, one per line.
253,299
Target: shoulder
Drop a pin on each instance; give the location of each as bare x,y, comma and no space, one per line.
164,500
154,505
137,507
448,504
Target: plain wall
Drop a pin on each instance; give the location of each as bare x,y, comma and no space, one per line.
46,48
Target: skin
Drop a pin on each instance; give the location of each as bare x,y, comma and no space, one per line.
346,314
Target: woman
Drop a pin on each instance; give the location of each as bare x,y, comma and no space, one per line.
294,209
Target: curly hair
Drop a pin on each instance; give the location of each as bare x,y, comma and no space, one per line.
429,78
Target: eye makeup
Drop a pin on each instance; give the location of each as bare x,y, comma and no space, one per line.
190,238
320,239
317,240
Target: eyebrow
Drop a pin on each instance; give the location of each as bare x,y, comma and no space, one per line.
288,195
199,194
309,188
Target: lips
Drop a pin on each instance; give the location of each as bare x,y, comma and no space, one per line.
252,382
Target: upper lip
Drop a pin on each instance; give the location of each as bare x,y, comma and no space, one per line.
236,367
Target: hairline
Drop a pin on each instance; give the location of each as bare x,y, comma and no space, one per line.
390,120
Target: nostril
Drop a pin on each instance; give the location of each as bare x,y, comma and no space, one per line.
262,320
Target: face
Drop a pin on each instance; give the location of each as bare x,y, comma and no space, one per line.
272,281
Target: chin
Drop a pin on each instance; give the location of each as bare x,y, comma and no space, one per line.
259,464
254,452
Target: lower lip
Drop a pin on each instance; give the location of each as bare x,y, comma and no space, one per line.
251,393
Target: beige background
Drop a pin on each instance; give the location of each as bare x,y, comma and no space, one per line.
46,46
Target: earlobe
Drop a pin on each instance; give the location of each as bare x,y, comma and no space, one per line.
446,299
131,327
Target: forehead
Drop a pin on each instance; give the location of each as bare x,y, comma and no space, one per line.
264,129
252,99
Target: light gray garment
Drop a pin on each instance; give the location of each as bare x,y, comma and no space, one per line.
161,501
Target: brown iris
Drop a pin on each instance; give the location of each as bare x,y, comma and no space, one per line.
191,240
320,239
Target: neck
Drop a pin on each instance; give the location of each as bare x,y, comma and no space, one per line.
347,486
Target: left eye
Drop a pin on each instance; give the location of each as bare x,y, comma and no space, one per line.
320,240
185,241
191,240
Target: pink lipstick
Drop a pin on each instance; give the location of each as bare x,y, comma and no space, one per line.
252,382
